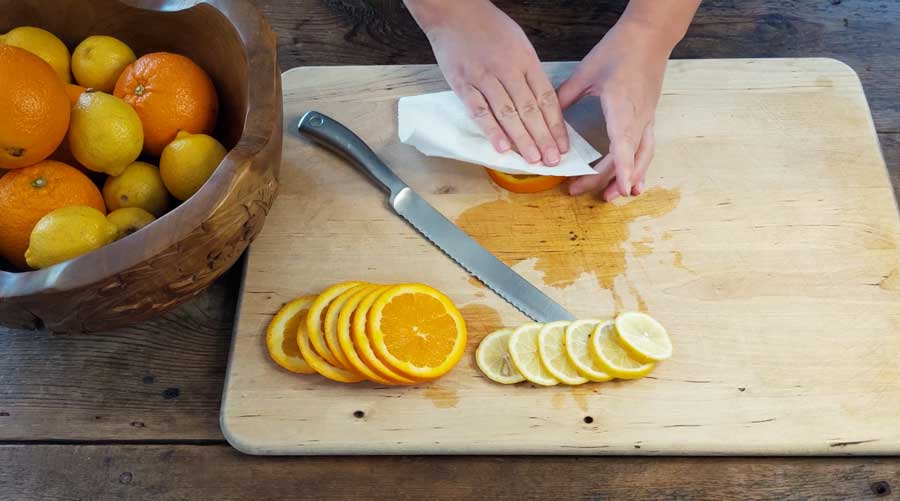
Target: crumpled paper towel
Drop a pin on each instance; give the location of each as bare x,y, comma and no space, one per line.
439,125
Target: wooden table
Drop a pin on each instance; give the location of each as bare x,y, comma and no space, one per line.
134,413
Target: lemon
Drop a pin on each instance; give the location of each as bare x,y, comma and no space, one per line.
492,357
129,220
105,133
67,233
645,339
139,185
98,61
612,358
44,45
523,349
578,335
188,161
552,348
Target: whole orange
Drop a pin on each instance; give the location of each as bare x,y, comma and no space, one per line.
29,193
34,108
170,93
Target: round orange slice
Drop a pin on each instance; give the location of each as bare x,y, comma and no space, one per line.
329,323
363,348
417,331
315,320
524,183
345,340
281,336
318,363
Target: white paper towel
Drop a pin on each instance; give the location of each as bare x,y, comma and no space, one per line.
439,125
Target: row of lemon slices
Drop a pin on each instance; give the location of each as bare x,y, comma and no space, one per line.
358,331
575,352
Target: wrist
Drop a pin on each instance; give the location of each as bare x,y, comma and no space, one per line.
432,14
660,37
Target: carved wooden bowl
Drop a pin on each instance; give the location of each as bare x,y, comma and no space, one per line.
178,255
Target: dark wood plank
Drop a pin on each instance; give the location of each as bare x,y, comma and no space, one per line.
865,34
160,380
218,472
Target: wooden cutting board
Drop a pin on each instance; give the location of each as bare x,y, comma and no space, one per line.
767,244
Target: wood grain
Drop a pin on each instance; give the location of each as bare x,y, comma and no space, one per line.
160,380
755,245
221,473
178,256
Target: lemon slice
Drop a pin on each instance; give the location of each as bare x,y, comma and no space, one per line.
523,349
552,348
612,358
643,337
492,357
577,338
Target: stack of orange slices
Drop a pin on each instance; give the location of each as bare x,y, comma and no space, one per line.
357,331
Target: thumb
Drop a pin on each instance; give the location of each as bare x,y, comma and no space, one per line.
570,91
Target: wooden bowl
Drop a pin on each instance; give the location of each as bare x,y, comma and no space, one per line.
178,255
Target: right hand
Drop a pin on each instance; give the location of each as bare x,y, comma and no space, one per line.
492,67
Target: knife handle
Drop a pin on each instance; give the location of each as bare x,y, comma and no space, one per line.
334,136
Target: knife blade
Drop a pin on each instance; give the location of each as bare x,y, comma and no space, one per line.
432,224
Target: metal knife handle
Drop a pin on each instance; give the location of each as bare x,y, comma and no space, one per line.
333,135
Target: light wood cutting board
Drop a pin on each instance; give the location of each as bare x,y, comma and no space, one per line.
767,245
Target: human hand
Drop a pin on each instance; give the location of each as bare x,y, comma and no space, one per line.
625,70
492,67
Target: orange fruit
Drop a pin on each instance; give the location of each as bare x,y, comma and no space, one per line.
330,323
30,193
74,92
363,348
34,108
170,93
417,331
524,183
344,320
281,336
318,363
315,320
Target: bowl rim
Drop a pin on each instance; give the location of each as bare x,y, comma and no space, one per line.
260,124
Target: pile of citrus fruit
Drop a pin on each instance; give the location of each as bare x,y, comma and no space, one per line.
130,136
575,352
356,331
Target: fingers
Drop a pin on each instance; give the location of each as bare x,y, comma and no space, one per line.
480,112
507,116
570,91
530,114
643,158
549,105
621,119
605,173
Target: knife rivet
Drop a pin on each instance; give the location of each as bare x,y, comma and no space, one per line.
316,121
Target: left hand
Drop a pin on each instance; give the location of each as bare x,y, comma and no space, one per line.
625,70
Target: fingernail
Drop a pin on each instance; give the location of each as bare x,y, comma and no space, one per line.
574,189
640,187
627,191
552,157
503,145
532,154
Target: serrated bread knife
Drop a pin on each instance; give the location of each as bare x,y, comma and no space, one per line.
430,223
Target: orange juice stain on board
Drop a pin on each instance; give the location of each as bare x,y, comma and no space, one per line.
567,235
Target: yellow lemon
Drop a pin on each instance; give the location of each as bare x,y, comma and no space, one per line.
129,220
525,355
552,349
645,339
105,133
98,61
609,355
139,185
43,44
494,360
188,161
67,233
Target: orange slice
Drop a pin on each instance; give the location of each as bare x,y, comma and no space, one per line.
363,348
329,324
417,331
281,336
315,319
345,338
318,363
524,183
